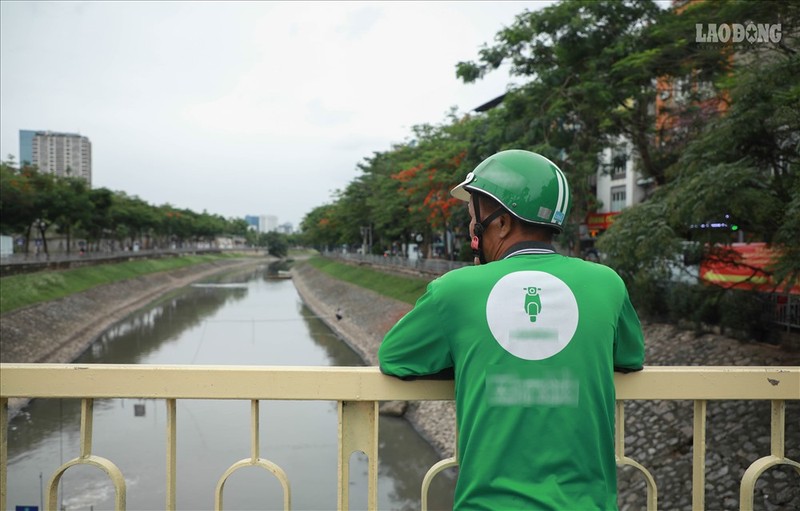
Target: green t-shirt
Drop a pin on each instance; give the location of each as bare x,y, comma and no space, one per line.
534,340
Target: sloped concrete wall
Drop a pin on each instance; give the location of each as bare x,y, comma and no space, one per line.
366,316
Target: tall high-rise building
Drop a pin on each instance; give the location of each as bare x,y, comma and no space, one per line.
62,154
262,223
268,223
252,222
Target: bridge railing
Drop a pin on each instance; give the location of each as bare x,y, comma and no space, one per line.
358,390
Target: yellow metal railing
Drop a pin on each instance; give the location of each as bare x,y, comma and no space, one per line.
358,391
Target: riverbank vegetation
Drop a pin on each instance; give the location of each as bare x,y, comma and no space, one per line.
42,207
18,291
33,204
404,288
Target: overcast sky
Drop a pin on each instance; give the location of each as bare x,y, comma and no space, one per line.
239,108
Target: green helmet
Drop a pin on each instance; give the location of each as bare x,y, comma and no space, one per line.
527,184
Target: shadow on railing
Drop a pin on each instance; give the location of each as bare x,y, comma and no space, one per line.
358,391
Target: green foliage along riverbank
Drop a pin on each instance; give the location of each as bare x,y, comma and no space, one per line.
406,289
22,290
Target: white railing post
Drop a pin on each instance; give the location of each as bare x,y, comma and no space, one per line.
623,460
254,461
87,458
172,423
358,431
3,451
776,457
699,455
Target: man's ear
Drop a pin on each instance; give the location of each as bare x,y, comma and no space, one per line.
505,223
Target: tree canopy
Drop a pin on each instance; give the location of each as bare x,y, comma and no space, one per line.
714,127
30,200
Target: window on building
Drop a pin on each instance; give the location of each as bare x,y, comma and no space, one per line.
619,162
618,198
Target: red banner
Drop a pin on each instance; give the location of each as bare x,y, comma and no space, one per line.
743,266
600,221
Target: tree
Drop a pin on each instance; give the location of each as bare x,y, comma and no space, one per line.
426,185
390,211
568,108
72,206
743,165
594,75
45,203
237,227
17,198
738,171
30,199
132,218
591,69
352,212
319,228
276,243
99,223
405,190
594,70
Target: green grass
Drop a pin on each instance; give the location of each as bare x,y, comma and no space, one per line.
22,290
405,289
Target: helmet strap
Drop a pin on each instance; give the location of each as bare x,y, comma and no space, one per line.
480,226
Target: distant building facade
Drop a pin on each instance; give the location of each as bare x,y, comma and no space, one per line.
619,185
268,223
263,223
252,222
61,154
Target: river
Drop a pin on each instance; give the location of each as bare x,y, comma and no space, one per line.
236,318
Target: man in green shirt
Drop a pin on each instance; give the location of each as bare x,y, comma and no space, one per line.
533,339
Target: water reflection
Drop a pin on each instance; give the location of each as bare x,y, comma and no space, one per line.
397,440
137,337
242,318
337,351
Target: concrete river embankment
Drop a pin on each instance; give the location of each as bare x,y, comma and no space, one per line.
59,330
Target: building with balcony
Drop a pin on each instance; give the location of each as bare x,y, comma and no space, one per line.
61,154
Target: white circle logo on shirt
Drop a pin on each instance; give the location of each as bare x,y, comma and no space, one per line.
532,314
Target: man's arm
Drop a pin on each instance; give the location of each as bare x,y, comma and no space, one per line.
629,343
416,345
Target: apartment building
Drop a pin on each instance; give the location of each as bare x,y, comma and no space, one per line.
267,223
62,154
262,223
617,185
